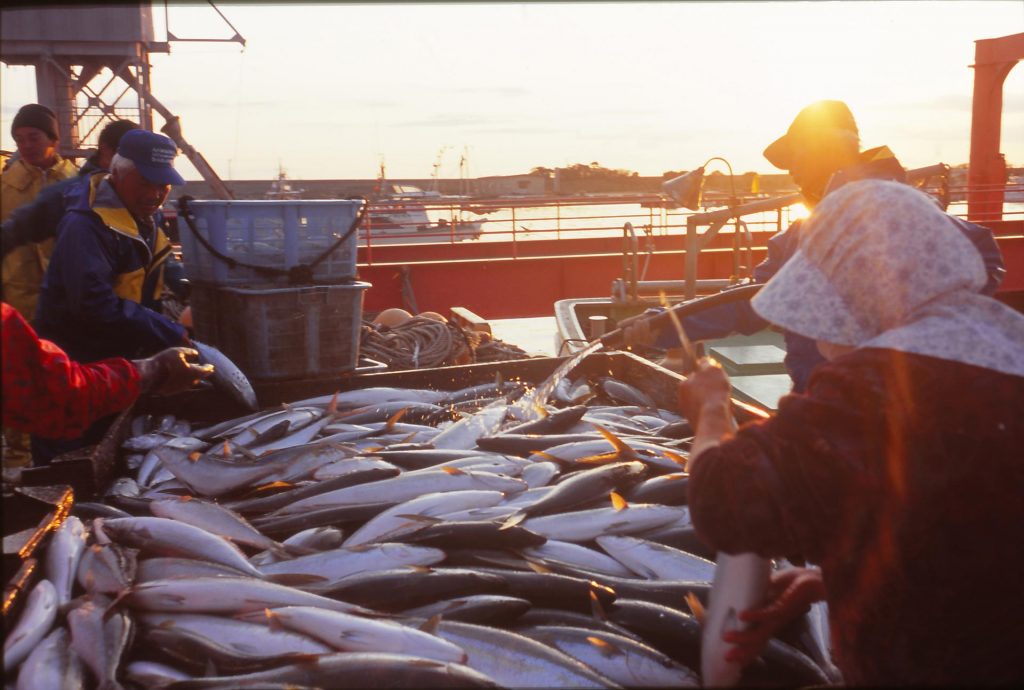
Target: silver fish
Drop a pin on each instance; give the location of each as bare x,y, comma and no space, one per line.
215,519
162,536
741,582
227,377
405,487
585,525
153,675
63,555
555,553
250,639
464,433
516,661
35,622
625,661
230,595
338,563
107,568
348,633
52,665
391,521
100,637
656,561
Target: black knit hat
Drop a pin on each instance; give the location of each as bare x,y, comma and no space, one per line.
38,116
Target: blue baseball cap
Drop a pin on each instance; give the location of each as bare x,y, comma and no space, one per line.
153,155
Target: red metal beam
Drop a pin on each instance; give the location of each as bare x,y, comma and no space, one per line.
993,60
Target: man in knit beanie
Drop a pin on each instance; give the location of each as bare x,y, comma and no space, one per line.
35,133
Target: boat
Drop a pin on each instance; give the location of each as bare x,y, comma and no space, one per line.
281,188
402,214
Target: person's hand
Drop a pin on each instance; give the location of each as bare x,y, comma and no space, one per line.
790,594
708,384
185,319
636,330
171,371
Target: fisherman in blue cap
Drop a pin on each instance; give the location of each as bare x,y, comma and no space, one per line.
101,293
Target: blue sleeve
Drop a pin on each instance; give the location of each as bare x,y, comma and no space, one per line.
735,317
37,220
983,240
85,260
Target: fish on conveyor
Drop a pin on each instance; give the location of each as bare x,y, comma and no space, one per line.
405,487
355,471
216,519
484,609
585,525
230,595
586,486
656,561
465,432
351,670
576,558
377,395
107,568
165,567
392,521
404,588
227,377
672,632
100,635
52,665
35,622
552,590
153,675
62,556
243,637
347,633
666,489
516,661
448,534
554,423
341,563
353,467
166,537
622,659
208,475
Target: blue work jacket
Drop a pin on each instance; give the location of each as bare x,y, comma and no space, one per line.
101,293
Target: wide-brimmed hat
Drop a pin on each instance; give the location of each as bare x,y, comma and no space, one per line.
813,121
153,155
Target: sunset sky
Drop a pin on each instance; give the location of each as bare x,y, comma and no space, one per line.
328,91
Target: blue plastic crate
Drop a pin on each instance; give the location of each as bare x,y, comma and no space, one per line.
275,234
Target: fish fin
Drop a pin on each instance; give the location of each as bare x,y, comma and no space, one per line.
599,459
618,502
512,521
420,568
430,625
621,448
537,567
596,608
272,485
696,608
409,438
195,455
677,458
273,620
185,498
604,647
227,449
452,470
295,579
393,419
549,456
332,407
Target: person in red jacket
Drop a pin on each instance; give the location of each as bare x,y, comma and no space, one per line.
46,393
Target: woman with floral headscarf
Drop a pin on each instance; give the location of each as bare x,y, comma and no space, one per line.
900,471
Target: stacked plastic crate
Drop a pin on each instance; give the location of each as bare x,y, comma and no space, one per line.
274,283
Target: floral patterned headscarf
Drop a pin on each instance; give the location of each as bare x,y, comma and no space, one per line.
881,265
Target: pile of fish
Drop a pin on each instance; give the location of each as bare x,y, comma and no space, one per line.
390,537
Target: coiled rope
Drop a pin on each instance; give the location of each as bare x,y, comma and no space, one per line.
422,343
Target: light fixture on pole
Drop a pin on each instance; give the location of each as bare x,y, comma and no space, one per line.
686,189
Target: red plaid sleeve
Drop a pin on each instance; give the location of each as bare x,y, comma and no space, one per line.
46,394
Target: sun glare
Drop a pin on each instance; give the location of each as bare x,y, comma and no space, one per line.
798,212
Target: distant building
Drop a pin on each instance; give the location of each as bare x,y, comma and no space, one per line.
514,185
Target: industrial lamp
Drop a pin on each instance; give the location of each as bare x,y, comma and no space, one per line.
687,188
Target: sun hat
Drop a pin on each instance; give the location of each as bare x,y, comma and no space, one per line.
153,155
811,122
879,264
